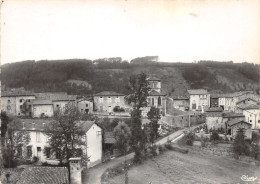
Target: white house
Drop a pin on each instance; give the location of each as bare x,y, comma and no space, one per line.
252,115
199,99
39,141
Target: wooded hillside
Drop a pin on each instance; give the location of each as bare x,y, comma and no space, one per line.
113,73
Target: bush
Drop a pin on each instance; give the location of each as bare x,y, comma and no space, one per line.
204,141
187,139
162,148
35,159
214,137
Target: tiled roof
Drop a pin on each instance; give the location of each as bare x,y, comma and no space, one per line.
235,121
86,125
198,91
246,99
152,78
214,109
155,93
42,102
109,138
109,93
16,93
235,94
44,175
180,98
232,115
61,96
34,124
248,106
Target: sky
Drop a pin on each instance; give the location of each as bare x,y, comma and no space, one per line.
174,30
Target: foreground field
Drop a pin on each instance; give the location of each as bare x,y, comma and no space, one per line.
173,167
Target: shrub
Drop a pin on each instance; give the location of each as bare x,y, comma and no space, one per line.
204,141
162,148
240,145
214,137
35,159
187,139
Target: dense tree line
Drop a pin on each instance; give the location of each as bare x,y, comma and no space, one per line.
110,74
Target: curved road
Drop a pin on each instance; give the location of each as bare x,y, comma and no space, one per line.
93,175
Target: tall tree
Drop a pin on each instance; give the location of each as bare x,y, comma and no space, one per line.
139,87
122,136
65,133
240,146
15,141
154,116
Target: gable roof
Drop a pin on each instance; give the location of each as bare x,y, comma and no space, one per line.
108,93
42,102
198,91
42,175
180,98
153,78
15,93
248,106
86,125
247,100
214,109
155,93
60,96
232,115
236,121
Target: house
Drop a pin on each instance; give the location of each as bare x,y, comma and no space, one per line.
33,175
85,105
252,114
181,103
17,102
199,99
214,119
230,101
39,141
232,127
214,100
109,102
93,141
42,108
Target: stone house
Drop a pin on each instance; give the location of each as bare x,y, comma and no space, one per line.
109,103
13,102
199,99
181,103
42,108
214,119
85,105
234,125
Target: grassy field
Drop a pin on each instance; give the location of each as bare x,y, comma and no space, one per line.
173,167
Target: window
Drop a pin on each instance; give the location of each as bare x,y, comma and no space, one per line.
57,105
79,152
109,99
101,99
21,100
152,101
29,151
39,149
38,137
21,107
117,100
250,121
48,152
28,100
86,105
159,101
19,151
9,101
98,133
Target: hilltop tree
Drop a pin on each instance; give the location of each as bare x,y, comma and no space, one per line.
139,87
64,132
154,116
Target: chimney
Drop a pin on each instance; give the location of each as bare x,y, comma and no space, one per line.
75,167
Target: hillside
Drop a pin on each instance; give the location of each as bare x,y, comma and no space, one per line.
113,74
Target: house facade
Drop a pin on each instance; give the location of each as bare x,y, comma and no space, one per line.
252,115
85,106
109,103
234,125
214,118
42,108
181,103
199,99
14,101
